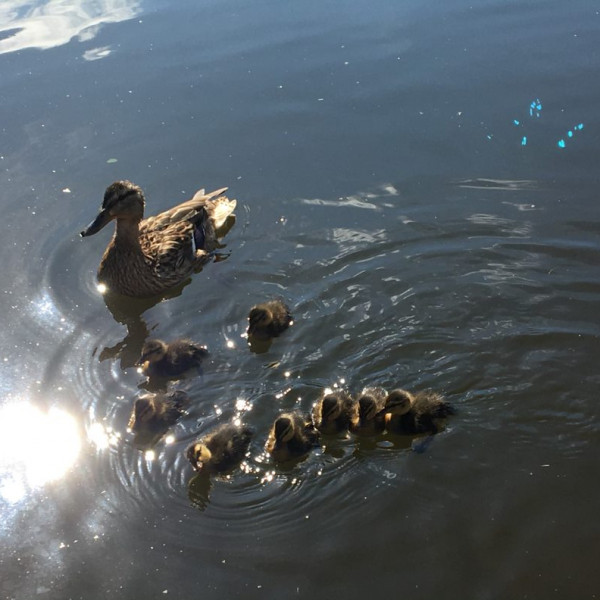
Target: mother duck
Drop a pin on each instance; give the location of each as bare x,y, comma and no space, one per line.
146,257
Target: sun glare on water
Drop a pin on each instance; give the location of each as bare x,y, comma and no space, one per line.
36,447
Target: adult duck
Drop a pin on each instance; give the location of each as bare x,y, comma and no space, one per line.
147,257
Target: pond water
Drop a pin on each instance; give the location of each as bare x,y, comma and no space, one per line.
418,180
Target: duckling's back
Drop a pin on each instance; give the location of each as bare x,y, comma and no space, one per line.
427,413
228,445
181,357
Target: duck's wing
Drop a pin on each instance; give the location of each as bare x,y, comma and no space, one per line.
172,250
184,212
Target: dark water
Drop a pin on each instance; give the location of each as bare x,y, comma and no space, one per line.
386,192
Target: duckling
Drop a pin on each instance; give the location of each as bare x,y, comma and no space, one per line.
170,361
291,436
221,449
146,257
412,414
153,415
368,417
332,413
268,320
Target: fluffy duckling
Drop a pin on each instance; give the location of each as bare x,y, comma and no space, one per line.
369,417
332,413
268,320
147,257
153,415
170,361
423,412
221,449
291,436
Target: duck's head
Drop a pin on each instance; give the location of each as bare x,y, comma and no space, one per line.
258,318
367,407
199,455
122,200
283,429
398,402
331,408
152,350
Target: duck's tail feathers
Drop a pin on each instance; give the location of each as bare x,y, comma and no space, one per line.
202,196
220,209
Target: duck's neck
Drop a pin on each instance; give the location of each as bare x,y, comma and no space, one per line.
127,233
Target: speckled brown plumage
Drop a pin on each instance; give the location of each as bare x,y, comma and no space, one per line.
146,257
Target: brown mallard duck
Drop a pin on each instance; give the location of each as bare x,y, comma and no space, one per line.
154,414
423,412
170,360
221,449
368,417
268,320
332,412
146,257
291,436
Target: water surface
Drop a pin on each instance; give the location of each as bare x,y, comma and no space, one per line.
401,185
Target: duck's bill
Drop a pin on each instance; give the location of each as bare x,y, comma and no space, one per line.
97,224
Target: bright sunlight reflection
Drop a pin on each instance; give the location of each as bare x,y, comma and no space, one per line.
50,23
35,447
102,437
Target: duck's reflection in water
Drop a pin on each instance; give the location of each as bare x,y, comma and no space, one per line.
128,312
199,487
259,346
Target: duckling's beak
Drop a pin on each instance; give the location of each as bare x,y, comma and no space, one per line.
142,365
103,218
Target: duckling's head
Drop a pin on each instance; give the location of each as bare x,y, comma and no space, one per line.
122,200
330,408
143,411
258,318
283,429
199,455
367,407
152,350
398,402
